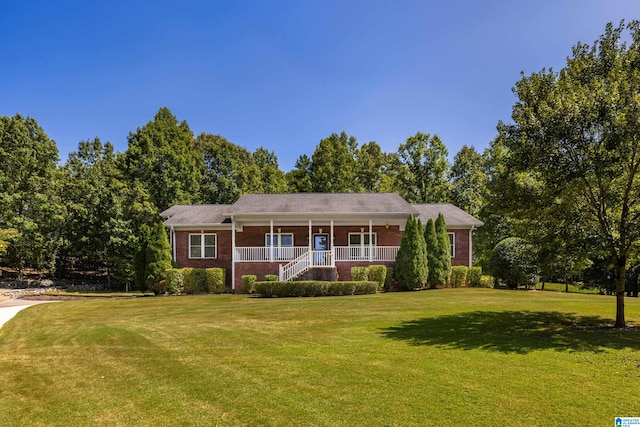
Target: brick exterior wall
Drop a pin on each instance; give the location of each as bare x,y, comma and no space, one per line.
255,237
461,239
223,252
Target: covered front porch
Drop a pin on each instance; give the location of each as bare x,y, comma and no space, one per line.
327,243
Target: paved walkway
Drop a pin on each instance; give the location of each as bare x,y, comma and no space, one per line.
9,308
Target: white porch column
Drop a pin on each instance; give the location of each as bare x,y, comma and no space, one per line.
271,240
371,241
233,254
333,252
310,238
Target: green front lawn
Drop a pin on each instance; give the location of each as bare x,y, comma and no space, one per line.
443,357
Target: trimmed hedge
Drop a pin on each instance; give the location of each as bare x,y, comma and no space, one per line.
486,281
312,288
203,280
374,273
473,277
174,281
378,273
271,277
248,283
359,273
215,280
458,276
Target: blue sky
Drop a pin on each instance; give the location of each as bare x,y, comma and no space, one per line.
285,74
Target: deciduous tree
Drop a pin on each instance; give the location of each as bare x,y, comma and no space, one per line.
333,165
162,156
423,168
229,170
577,132
29,188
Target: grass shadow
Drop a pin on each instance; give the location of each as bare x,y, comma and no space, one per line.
517,332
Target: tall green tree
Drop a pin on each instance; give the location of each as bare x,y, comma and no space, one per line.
468,180
411,260
423,169
299,179
577,132
162,156
498,205
434,263
273,179
443,250
6,236
371,169
229,170
29,188
99,228
333,165
157,258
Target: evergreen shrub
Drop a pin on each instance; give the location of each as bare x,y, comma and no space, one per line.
411,259
313,288
359,273
486,281
473,277
215,280
458,276
271,277
378,273
174,281
248,283
388,280
203,280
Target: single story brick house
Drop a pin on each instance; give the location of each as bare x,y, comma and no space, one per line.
304,235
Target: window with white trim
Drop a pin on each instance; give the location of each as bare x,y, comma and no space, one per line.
359,244
202,245
452,244
280,240
282,245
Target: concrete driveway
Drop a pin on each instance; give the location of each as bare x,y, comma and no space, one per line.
9,308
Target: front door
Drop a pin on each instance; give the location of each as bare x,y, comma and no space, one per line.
320,243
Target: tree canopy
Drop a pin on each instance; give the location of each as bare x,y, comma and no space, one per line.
575,138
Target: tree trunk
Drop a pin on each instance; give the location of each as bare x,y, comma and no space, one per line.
621,270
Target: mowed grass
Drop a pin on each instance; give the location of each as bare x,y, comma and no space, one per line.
443,357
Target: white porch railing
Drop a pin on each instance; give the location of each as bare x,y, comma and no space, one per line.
267,253
321,258
364,253
305,262
295,267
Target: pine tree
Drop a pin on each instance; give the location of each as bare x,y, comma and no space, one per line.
444,250
434,263
411,260
158,258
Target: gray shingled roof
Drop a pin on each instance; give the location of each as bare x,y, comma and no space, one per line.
196,215
453,215
337,203
312,203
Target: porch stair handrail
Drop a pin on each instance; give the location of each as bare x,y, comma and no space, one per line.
295,268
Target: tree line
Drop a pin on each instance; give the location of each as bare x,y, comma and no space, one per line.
564,176
88,213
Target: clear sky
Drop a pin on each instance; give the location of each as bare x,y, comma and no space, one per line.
284,74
